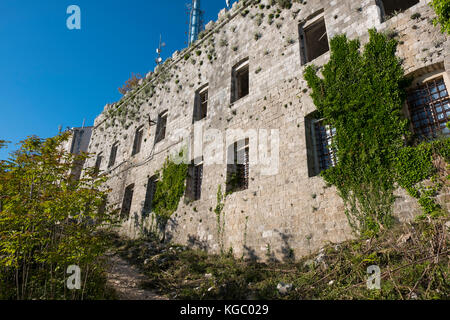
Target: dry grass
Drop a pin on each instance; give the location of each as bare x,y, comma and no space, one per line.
413,258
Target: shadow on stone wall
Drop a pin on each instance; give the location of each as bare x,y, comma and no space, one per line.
287,251
195,242
250,254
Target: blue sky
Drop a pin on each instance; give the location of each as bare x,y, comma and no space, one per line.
51,76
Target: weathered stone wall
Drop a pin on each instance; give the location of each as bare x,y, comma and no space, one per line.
288,213
77,143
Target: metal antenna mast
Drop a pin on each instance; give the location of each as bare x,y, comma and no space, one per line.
195,21
158,51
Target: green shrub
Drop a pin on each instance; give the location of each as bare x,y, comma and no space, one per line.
442,9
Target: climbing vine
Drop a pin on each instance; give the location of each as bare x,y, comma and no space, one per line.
413,165
361,94
442,9
169,190
220,218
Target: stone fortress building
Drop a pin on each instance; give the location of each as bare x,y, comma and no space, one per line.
245,72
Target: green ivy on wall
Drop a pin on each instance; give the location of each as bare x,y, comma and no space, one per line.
361,94
415,164
442,9
169,190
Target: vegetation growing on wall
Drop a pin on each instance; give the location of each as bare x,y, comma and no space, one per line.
428,160
169,190
442,9
46,224
361,94
413,260
220,217
130,84
129,109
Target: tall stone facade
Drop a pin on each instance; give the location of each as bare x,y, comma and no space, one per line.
286,209
78,143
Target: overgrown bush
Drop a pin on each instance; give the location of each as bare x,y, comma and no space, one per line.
413,261
49,221
442,9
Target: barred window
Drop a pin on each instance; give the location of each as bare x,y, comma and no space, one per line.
194,181
161,127
113,155
238,170
319,138
429,108
324,134
127,200
137,141
150,194
201,104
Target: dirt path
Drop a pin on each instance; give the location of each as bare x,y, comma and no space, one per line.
125,278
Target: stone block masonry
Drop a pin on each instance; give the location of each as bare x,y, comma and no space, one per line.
288,214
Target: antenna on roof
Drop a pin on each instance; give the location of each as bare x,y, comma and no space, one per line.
59,128
84,122
158,51
195,21
228,4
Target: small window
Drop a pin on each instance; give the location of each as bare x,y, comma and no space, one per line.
429,108
113,155
201,104
240,81
138,141
161,127
149,195
238,169
127,200
313,40
319,137
98,164
390,8
194,181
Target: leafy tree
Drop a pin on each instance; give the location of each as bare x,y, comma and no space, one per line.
49,221
130,84
361,95
442,9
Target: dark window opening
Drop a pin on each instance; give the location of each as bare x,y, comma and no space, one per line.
138,141
389,8
201,104
320,152
240,81
127,200
113,155
313,41
98,163
161,127
194,181
238,169
149,195
429,108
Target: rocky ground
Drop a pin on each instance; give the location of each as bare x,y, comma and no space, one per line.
413,260
126,279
